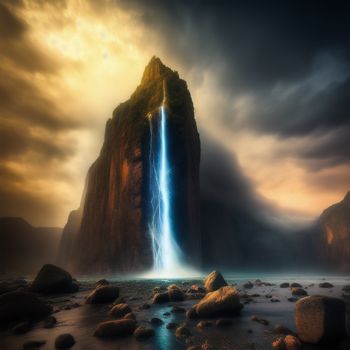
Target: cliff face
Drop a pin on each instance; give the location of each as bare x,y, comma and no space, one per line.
112,235
335,223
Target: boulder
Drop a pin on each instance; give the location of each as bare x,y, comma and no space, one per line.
103,294
284,285
120,310
296,285
118,328
17,306
299,291
159,298
53,279
214,281
142,333
175,293
223,302
64,341
320,318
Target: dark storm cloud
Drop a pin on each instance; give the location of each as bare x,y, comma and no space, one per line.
256,48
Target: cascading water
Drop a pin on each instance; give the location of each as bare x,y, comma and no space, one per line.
165,250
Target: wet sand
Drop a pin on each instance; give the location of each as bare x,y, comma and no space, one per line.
81,320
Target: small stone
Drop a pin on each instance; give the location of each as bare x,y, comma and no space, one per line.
167,313
248,285
259,320
222,322
120,310
172,325
64,341
142,333
204,324
117,328
156,321
178,310
296,285
183,332
289,342
274,300
299,291
292,299
326,285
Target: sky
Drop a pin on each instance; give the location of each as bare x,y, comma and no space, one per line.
270,82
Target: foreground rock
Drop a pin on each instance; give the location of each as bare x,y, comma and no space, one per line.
223,302
64,341
103,294
287,343
118,328
17,306
299,291
120,310
320,318
53,279
142,333
174,293
214,281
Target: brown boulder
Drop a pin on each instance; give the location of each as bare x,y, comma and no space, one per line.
223,302
320,318
214,281
159,298
53,279
103,294
175,293
142,333
120,310
116,328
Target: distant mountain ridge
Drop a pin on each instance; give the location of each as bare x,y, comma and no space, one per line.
24,248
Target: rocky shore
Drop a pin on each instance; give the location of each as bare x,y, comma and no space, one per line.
54,311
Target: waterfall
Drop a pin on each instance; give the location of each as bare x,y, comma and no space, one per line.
165,250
